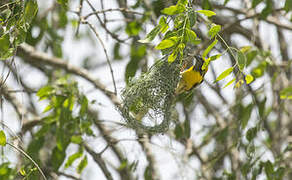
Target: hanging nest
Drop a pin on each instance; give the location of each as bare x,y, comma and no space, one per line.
148,101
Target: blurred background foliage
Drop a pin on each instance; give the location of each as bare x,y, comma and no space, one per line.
65,63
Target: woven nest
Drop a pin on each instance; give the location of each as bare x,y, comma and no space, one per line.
152,95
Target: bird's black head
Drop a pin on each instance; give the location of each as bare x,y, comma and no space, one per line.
199,64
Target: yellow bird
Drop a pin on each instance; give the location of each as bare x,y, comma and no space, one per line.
192,76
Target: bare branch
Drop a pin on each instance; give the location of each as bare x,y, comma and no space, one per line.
105,52
33,56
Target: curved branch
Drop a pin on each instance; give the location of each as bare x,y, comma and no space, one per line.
32,56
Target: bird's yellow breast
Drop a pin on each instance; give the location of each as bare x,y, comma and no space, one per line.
191,78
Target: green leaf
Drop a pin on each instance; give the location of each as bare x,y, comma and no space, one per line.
207,13
248,79
5,14
250,57
206,4
44,92
148,173
77,139
192,37
206,64
138,51
251,133
214,30
82,165
21,36
215,57
209,48
230,82
181,48
241,60
22,172
48,108
30,11
172,10
84,106
72,158
123,165
2,138
255,3
226,1
172,57
224,74
182,2
117,47
178,131
279,173
267,10
269,169
245,49
163,25
192,17
166,43
57,158
286,93
133,28
245,115
63,19
222,135
4,46
151,35
288,5
187,129
262,106
64,3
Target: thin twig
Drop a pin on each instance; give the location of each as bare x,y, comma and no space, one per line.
36,58
68,176
28,157
114,36
105,52
79,15
112,10
98,159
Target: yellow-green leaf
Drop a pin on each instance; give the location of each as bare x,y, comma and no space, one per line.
167,43
2,138
77,139
245,49
151,35
163,25
230,82
192,37
241,60
82,165
72,158
209,48
207,13
224,74
172,57
214,30
249,78
22,172
30,11
205,65
181,48
172,10
286,93
213,58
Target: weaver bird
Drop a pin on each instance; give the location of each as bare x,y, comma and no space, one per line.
191,76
